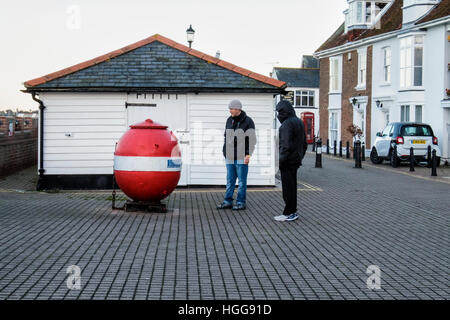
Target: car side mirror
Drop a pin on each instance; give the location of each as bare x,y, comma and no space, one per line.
379,134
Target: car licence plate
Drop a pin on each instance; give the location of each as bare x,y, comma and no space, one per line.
419,142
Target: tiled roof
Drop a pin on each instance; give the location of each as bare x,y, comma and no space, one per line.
299,77
441,10
155,62
338,38
390,21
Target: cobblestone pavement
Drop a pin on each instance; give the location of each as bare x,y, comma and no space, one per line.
349,219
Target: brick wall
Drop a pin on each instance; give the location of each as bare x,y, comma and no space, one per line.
349,82
323,98
16,154
20,125
4,125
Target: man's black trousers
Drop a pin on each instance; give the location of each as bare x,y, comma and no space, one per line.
289,185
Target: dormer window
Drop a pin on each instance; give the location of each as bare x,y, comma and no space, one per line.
363,14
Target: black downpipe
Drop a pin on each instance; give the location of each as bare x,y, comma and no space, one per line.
41,139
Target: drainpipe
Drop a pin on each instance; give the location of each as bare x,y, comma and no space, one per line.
41,132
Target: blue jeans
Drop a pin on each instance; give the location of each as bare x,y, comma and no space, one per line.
236,170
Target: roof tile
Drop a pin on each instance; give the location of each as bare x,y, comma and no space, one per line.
124,67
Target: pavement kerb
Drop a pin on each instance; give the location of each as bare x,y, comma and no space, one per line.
366,163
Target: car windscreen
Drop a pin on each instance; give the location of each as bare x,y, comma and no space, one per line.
417,130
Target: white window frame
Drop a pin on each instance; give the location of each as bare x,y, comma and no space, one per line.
337,129
408,66
334,76
387,64
362,69
416,108
309,94
358,12
405,110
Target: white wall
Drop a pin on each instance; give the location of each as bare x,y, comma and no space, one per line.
435,80
335,100
435,74
385,92
207,116
96,121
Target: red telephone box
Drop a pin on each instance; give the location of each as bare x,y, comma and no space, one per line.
308,120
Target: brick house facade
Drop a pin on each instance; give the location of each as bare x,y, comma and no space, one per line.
323,97
347,93
372,44
349,82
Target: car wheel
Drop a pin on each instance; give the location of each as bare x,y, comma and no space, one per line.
374,157
394,159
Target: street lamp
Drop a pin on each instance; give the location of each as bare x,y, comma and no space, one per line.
190,35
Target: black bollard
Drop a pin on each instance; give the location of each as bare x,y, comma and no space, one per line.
433,164
411,159
347,152
340,148
328,146
335,148
357,152
113,198
394,164
354,146
363,152
429,157
319,154
314,144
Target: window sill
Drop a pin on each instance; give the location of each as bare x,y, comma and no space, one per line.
421,88
385,84
360,87
334,92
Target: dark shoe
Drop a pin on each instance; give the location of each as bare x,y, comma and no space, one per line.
224,205
239,206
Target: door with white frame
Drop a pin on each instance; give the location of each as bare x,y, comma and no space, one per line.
359,119
169,110
334,126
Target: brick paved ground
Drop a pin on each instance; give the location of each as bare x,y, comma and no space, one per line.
349,219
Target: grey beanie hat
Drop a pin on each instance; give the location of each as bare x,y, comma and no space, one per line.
235,104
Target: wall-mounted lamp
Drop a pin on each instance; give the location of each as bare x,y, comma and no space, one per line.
354,101
379,104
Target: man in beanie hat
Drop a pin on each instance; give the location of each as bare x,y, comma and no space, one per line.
292,140
239,144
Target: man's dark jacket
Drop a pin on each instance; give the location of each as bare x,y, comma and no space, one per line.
292,136
244,122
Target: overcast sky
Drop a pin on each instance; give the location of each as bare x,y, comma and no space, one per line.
40,37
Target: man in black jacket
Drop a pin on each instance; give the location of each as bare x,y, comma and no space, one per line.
293,145
239,144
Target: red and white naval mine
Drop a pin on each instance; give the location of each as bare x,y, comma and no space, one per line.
147,162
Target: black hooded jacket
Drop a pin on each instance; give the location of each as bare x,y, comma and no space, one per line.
292,136
244,122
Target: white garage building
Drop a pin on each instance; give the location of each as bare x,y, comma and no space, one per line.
85,109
